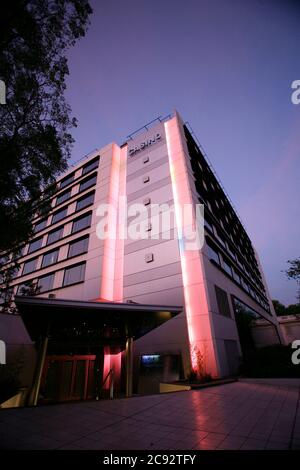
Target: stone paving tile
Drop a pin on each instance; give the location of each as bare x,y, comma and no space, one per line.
232,416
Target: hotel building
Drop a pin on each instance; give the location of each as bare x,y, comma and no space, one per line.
149,309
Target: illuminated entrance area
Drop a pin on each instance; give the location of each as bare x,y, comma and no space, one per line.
68,378
85,349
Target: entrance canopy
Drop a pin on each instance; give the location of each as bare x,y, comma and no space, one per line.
99,323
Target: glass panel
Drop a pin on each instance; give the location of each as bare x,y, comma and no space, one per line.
59,215
40,225
67,180
227,267
213,254
74,274
35,244
55,235
78,247
85,201
51,390
91,380
79,382
87,183
83,222
46,282
29,266
50,258
66,379
90,166
63,197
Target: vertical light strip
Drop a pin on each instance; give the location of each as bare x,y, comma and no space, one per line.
196,306
113,253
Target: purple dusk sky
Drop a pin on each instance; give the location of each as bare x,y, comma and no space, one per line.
227,66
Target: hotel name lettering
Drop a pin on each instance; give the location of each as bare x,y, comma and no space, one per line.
145,144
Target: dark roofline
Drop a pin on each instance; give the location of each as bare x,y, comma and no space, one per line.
67,303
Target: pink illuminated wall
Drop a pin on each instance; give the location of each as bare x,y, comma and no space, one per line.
113,254
195,295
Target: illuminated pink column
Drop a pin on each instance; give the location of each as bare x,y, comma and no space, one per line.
196,300
113,254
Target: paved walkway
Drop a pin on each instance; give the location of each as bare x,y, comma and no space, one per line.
234,416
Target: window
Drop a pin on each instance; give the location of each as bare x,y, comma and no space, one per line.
227,267
82,222
29,266
231,252
85,201
222,301
59,215
35,244
74,274
204,185
63,197
208,225
78,247
55,235
213,254
46,283
87,183
236,276
27,288
90,166
40,225
50,258
221,239
67,180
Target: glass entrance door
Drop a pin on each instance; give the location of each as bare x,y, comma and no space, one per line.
68,378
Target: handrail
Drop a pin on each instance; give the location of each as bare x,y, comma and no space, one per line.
111,385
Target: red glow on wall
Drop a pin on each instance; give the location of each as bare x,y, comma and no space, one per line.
113,253
195,296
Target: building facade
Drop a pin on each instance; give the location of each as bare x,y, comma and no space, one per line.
220,286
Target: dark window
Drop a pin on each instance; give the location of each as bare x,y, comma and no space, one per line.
208,225
74,274
55,235
50,258
78,247
227,266
92,165
236,276
63,197
87,183
29,266
85,201
213,254
67,180
82,222
222,301
59,215
221,239
46,282
35,244
40,225
27,288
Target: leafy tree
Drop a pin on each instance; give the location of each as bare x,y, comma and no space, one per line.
293,272
293,309
280,309
35,122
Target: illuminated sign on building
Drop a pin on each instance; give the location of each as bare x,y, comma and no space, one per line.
145,144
